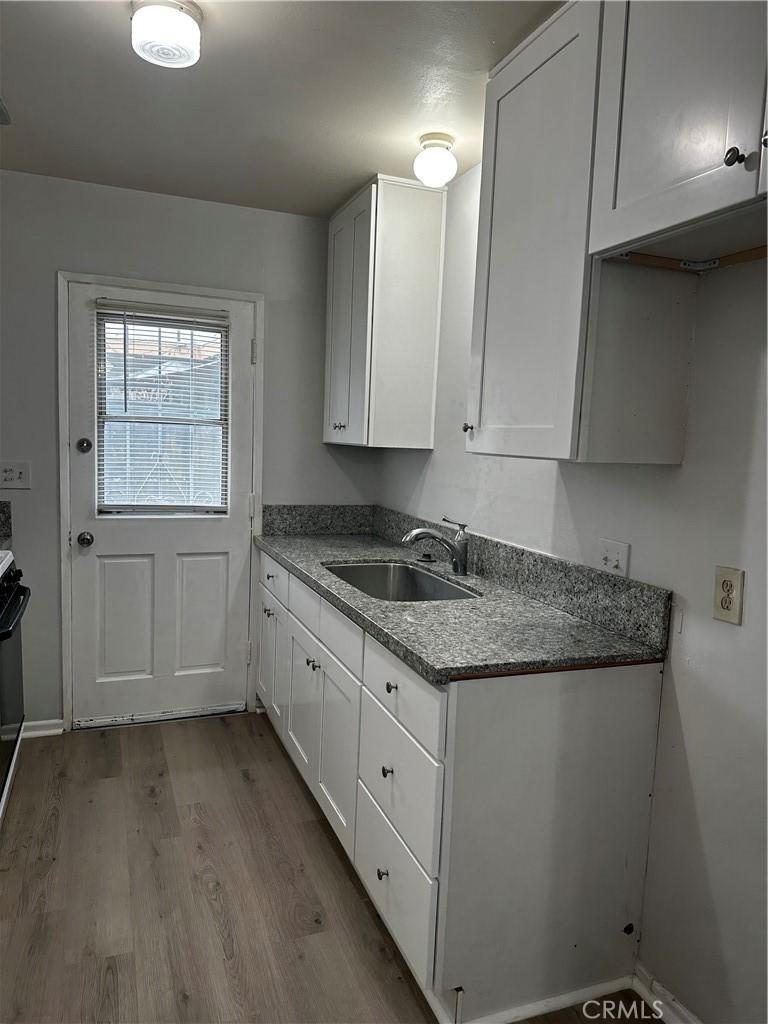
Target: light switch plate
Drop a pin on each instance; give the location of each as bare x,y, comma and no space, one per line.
613,556
729,594
16,474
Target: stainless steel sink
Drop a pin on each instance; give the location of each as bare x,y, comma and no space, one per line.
394,581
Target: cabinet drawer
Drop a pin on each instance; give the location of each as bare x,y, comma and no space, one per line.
405,896
305,604
342,637
413,701
274,577
411,792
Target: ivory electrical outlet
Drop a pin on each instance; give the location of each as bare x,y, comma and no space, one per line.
729,594
15,474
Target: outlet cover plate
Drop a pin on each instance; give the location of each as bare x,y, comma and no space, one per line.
729,594
16,475
613,556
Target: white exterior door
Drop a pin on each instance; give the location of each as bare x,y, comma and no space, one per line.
161,401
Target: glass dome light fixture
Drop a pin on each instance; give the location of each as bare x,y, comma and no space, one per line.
435,165
166,32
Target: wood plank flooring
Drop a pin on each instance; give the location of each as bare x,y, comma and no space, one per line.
182,872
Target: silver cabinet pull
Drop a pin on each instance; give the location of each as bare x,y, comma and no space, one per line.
314,665
381,874
268,612
389,687
733,156
387,771
466,427
270,575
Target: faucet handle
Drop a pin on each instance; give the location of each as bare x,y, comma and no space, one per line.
462,526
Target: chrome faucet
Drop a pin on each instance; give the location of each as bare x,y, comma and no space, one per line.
456,548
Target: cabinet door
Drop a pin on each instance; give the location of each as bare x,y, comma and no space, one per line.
350,296
338,745
266,674
281,679
680,84
532,270
303,701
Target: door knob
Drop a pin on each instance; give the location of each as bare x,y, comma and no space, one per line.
84,445
85,539
733,156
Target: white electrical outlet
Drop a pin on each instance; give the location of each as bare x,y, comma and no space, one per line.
16,474
613,556
729,594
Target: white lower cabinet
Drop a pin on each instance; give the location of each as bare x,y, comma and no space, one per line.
404,894
405,780
337,748
303,700
323,725
500,825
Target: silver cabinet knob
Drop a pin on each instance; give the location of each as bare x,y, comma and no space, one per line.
387,771
765,140
381,874
268,612
85,539
389,687
270,575
733,156
311,663
466,427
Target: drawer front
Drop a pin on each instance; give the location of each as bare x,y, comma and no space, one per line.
413,701
411,792
305,604
405,897
274,577
342,638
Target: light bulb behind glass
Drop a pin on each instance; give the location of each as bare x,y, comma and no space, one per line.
166,35
435,165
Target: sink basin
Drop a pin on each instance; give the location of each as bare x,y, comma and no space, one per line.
394,581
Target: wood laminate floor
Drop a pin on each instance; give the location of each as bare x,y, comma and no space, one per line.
182,872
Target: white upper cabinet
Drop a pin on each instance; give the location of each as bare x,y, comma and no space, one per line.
680,117
384,279
532,269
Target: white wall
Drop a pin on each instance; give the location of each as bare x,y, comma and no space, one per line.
704,934
49,224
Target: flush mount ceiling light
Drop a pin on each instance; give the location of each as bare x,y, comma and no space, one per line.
435,165
166,32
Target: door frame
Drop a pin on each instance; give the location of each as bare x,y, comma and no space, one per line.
63,280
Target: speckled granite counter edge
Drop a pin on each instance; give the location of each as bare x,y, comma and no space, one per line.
5,542
441,676
6,527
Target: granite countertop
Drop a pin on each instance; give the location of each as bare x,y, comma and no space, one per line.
5,542
500,632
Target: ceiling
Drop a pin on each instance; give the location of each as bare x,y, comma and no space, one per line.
291,107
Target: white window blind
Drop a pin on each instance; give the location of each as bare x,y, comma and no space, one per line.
162,409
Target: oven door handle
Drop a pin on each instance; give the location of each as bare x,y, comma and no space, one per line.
10,629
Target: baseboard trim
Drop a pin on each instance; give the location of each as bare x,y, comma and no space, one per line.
522,1013
43,727
651,990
